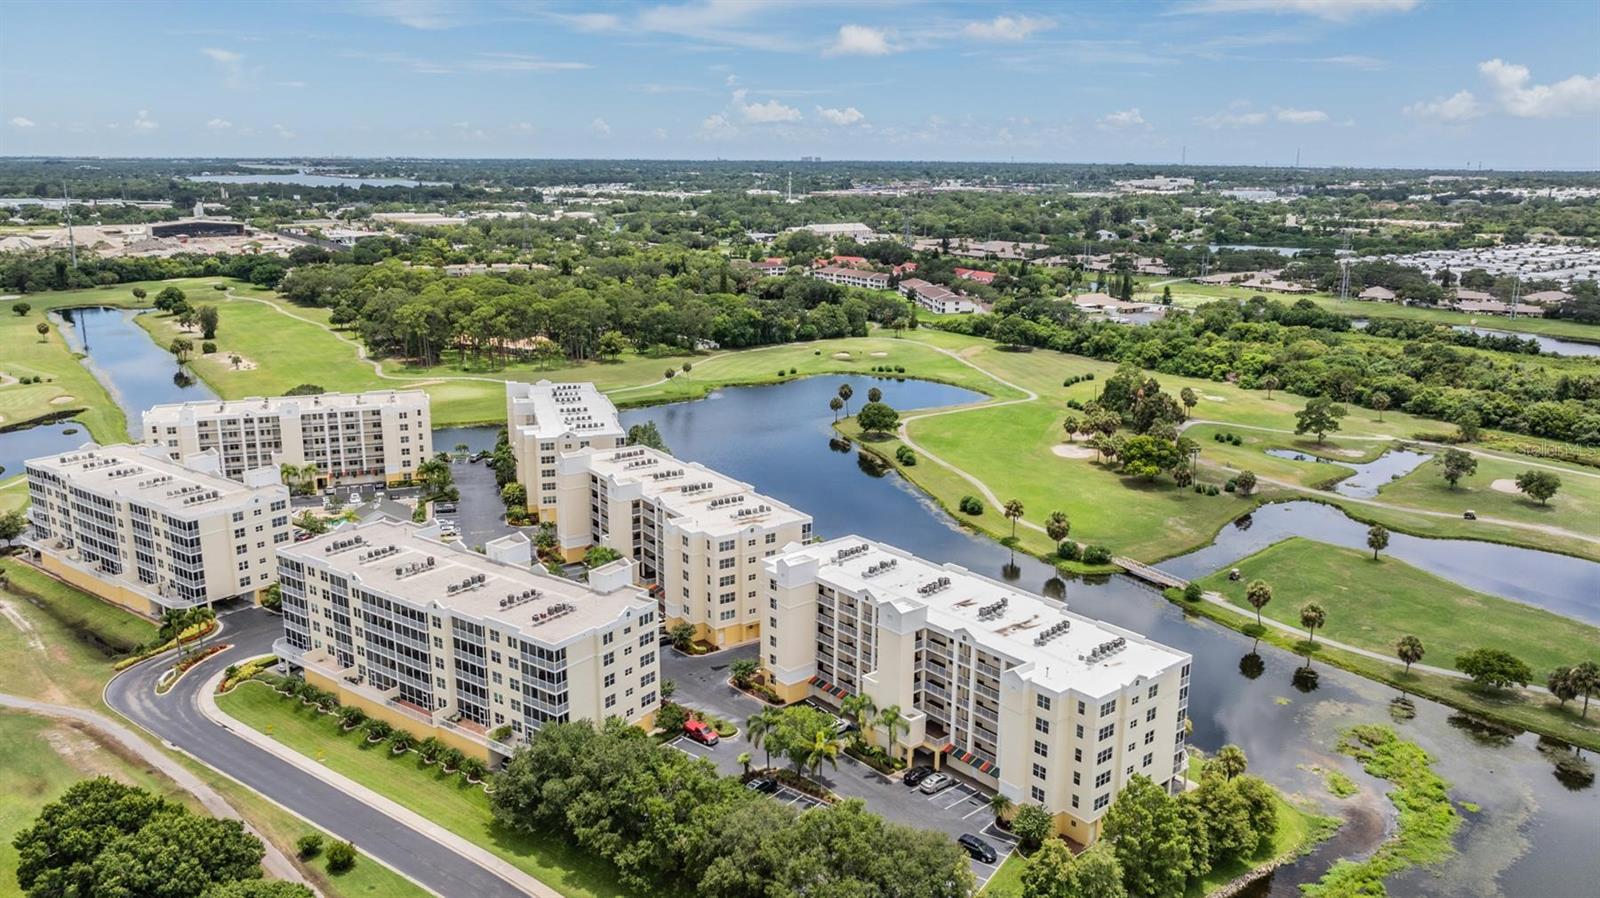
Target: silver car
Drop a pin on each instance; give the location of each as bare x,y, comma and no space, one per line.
935,782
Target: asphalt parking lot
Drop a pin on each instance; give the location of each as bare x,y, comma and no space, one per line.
962,808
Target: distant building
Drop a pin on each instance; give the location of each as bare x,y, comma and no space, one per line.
545,419
973,274
850,277
376,437
853,229
138,529
1546,297
937,298
1380,294
772,267
198,227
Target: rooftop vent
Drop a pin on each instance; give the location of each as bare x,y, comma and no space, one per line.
933,586
882,567
1051,632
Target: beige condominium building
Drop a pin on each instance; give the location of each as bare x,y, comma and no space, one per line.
699,537
376,437
1047,707
441,640
134,527
546,419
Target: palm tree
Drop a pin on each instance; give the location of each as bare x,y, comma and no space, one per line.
1269,383
858,709
1057,527
289,473
1586,677
1311,617
835,404
757,727
825,744
893,720
1258,594
175,621
309,472
1377,539
744,761
844,394
1410,650
1231,761
1190,400
1001,806
1013,511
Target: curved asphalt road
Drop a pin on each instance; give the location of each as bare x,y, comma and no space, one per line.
175,718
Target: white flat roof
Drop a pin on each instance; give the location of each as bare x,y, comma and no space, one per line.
145,474
393,558
972,604
705,499
556,409
285,405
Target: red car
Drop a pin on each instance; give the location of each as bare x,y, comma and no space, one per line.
701,732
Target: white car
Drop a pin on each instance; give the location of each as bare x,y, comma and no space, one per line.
934,783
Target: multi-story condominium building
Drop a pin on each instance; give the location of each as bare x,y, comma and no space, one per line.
376,437
546,419
851,277
699,537
444,641
134,527
938,299
1048,707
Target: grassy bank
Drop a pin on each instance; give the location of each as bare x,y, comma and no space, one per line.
447,800
1371,604
1518,709
77,611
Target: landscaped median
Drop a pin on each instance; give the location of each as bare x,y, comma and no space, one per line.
446,799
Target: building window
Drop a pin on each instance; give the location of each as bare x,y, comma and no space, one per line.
1150,715
1037,793
1077,778
1105,732
1149,756
1038,771
1043,701
1103,756
1102,779
1102,801
1108,708
1153,689
1074,801
1042,725
1040,749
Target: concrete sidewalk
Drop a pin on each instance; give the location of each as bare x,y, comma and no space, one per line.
275,862
406,817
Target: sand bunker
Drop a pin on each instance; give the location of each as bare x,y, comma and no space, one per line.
841,355
1073,450
245,364
1210,398
63,400
1504,485
880,355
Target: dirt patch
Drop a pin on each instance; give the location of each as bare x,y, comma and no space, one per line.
1505,485
23,625
841,355
880,355
1210,398
226,358
1349,453
63,400
1073,450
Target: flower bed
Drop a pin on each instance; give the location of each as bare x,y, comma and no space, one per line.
198,631
248,670
172,676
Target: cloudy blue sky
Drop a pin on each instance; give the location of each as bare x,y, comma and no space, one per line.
1377,82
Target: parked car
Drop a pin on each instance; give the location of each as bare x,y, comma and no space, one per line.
935,783
763,784
917,774
701,732
842,726
444,508
977,847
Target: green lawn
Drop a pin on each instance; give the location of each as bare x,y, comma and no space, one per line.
1576,507
42,758
445,799
1371,604
75,610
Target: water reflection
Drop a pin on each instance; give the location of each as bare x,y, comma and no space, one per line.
124,358
773,436
1252,666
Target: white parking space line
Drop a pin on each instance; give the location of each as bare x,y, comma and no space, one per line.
960,800
978,810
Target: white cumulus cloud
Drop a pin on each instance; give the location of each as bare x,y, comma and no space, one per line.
600,127
1518,96
219,124
860,40
1007,28
1231,118
717,127
1122,120
142,122
1332,10
846,116
1458,107
18,121
1301,116
283,132
763,113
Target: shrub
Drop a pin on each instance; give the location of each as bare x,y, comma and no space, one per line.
341,857
1212,490
352,717
1231,485
1069,550
308,846
672,717
1032,825
1192,592
794,370
1096,555
905,456
899,369
473,769
208,347
451,759
971,505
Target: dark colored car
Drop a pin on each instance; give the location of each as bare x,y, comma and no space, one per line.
917,774
764,784
977,847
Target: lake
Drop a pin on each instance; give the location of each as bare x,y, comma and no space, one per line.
1547,345
124,358
307,179
778,439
